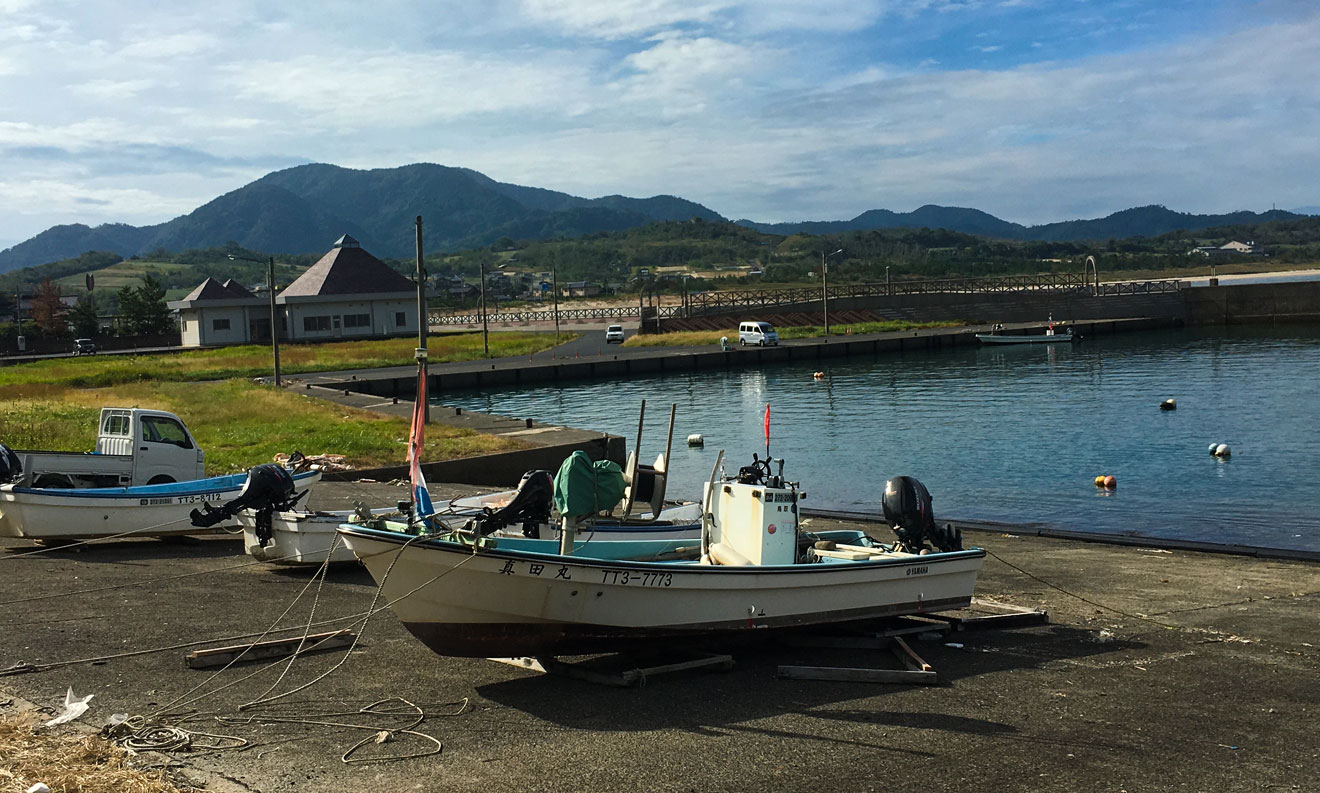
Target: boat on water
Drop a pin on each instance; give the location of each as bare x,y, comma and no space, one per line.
1051,335
58,514
752,570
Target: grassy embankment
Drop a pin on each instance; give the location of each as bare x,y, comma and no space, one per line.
697,338
54,404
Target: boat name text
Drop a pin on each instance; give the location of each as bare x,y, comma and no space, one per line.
195,498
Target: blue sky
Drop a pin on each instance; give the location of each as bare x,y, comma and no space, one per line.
1033,110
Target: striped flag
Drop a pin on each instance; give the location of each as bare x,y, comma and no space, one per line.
421,497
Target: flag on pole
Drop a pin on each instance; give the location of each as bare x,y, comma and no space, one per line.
421,497
767,429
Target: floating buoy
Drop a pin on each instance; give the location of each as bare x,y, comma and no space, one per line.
1111,483
695,439
1168,404
1100,480
1222,450
1213,446
819,375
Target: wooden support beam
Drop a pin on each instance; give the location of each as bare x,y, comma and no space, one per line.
626,678
916,671
275,648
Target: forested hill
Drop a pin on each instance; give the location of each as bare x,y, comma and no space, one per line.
306,208
1147,221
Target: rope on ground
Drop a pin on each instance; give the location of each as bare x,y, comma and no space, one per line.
1082,598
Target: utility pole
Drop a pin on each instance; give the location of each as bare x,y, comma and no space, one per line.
423,319
485,331
554,287
274,325
825,291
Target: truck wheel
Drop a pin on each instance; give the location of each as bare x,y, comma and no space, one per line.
161,479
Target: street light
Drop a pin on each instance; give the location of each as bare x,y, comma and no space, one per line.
825,290
274,327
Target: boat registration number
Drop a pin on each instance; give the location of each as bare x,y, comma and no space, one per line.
634,578
194,498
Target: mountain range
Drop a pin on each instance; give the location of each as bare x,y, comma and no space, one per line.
305,208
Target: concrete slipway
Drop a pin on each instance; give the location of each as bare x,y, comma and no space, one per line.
1166,671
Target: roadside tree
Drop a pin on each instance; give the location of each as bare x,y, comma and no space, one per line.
143,308
47,310
83,318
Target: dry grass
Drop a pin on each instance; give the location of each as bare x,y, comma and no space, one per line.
237,424
68,761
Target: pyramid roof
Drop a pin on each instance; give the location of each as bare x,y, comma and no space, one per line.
348,270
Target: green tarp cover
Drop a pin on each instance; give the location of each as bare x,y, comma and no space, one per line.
583,487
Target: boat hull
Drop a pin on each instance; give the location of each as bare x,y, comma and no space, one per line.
145,511
507,602
1036,338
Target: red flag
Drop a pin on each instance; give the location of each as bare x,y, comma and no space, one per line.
767,423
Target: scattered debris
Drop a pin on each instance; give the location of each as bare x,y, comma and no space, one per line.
325,462
74,707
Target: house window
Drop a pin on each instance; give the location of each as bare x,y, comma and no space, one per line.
316,323
400,318
357,320
219,324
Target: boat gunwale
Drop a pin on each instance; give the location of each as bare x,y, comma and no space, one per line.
236,481
437,544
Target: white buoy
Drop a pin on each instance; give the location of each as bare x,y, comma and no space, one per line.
1222,450
1213,446
695,439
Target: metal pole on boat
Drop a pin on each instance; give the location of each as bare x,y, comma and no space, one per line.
423,319
707,516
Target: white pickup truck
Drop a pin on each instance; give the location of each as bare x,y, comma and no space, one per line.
134,447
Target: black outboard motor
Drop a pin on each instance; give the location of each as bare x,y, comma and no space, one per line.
529,506
11,468
269,487
908,511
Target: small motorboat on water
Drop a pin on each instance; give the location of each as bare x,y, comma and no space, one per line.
59,514
1052,335
753,569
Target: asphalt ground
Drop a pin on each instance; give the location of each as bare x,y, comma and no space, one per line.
1158,671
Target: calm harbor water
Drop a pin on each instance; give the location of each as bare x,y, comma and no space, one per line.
1012,434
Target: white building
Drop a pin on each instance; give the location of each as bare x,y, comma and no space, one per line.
347,294
216,313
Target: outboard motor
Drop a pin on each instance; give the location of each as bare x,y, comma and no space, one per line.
11,467
269,487
907,506
530,506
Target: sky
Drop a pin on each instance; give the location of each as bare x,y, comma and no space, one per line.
774,110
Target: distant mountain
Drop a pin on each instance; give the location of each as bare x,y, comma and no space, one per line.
306,208
1307,210
1148,221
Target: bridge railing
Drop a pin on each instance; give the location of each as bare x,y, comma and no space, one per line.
736,299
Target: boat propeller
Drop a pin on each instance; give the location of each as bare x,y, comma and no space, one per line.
269,487
907,506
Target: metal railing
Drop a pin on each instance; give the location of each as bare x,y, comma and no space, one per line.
735,299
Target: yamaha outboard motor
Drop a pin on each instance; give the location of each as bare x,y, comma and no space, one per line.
529,506
11,468
269,487
908,511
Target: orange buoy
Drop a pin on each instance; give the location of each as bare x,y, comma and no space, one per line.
819,375
1110,483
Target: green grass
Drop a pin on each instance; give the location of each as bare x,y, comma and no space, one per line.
697,338
237,424
255,360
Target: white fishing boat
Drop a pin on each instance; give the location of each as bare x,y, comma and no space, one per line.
305,537
58,514
752,570
1051,335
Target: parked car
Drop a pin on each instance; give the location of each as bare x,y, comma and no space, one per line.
762,334
84,347
614,333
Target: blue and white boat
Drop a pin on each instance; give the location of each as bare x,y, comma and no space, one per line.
57,514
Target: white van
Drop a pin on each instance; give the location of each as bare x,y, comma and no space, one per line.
762,334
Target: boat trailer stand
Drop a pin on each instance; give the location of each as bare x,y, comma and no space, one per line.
635,676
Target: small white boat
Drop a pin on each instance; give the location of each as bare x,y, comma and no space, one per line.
44,513
753,570
1050,336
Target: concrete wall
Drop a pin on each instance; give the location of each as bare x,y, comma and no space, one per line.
382,323
1297,301
199,328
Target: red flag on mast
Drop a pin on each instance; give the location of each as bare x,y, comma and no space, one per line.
767,424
